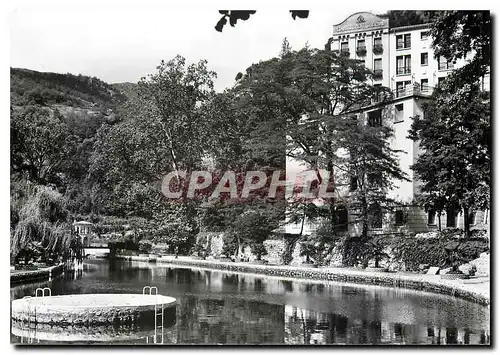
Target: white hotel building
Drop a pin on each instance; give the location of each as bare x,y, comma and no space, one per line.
403,60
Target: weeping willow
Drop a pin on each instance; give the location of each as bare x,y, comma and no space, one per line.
41,220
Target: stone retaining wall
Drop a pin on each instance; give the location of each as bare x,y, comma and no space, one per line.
413,282
35,275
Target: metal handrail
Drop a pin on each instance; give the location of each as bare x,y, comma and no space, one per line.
150,288
413,90
49,293
403,70
145,291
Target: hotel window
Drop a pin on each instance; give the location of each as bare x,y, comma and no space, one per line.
451,218
400,218
444,64
424,59
399,113
377,45
377,68
376,215
403,41
354,183
344,48
424,85
472,218
341,218
403,64
431,218
361,48
375,118
424,35
401,87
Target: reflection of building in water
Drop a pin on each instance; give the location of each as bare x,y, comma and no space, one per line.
309,327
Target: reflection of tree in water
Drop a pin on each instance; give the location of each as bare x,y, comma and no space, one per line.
309,327
229,321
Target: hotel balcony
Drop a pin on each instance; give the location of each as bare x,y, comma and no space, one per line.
410,90
345,52
378,74
387,96
361,51
403,70
378,49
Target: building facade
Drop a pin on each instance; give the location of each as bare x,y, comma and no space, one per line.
402,59
85,231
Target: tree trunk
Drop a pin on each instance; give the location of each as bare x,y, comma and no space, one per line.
239,251
466,222
332,202
365,218
302,223
439,221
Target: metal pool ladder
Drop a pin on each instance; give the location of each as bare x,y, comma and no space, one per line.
153,290
49,292
26,315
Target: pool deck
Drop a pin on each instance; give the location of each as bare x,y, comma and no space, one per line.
475,289
85,309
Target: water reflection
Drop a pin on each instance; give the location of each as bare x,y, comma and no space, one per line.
226,308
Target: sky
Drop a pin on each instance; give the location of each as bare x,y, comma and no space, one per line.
124,42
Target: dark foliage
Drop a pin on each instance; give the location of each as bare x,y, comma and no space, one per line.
443,251
234,15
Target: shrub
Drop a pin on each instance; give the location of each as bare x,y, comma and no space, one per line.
351,248
145,246
200,248
258,249
446,250
230,245
373,250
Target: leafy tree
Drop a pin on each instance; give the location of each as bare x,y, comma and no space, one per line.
41,144
455,131
177,226
372,167
455,165
313,94
464,35
164,130
253,227
399,18
41,222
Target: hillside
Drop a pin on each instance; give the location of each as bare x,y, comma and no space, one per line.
66,110
85,102
32,87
